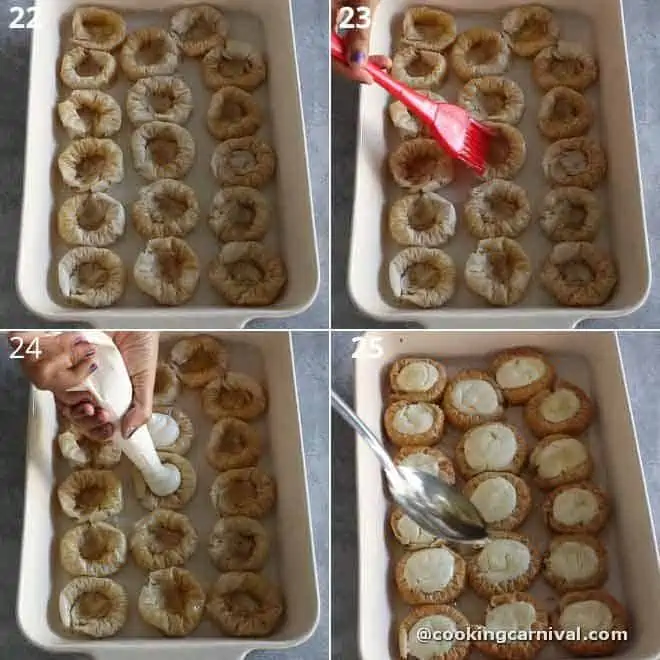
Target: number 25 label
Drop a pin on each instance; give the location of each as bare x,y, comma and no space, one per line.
354,18
369,346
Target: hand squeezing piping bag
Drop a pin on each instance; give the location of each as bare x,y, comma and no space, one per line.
111,386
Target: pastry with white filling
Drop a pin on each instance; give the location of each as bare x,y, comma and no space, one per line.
503,499
575,561
491,447
560,459
430,576
409,534
180,497
514,612
166,385
171,430
472,397
562,408
414,423
590,611
521,373
507,563
438,619
427,459
580,508
417,379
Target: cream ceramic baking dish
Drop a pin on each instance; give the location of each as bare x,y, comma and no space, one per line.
267,356
599,24
266,24
592,361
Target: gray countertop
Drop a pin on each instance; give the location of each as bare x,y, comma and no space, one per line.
311,27
640,350
643,25
311,361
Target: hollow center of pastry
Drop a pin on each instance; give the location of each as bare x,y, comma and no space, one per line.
475,396
162,100
577,271
240,490
502,265
492,103
559,457
174,598
422,275
495,499
241,214
232,67
565,109
151,52
93,605
429,570
246,272
88,67
239,544
419,168
501,207
482,52
420,66
98,27
163,149
419,647
429,27
423,214
242,160
88,115
199,360
504,559
92,213
414,418
573,161
559,406
90,167
587,615
242,602
232,442
563,67
170,207
166,538
410,532
200,29
575,507
171,266
162,381
417,377
92,276
520,372
499,149
511,616
571,215
234,399
574,561
90,498
490,447
232,111
532,29
94,545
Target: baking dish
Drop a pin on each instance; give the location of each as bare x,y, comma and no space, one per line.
599,24
269,26
292,565
591,360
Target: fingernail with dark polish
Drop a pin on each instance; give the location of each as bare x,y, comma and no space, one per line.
93,368
358,57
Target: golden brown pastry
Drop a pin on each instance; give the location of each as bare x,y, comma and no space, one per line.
418,68
413,423
409,534
238,543
244,492
239,213
245,161
530,29
97,28
198,29
162,150
471,398
233,113
91,164
422,219
149,51
575,562
480,52
417,379
565,64
82,68
81,451
427,459
96,549
233,444
89,113
180,497
561,408
564,113
571,214
166,384
159,98
235,63
521,373
421,165
428,28
234,395
199,359
493,98
185,430
91,219
578,161
560,459
503,499
439,619
497,208
91,495
579,508
507,152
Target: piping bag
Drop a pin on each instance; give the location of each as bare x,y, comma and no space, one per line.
111,386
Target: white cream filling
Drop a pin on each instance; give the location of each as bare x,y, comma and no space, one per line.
417,377
412,646
503,559
490,447
429,570
520,372
560,456
511,616
163,429
422,462
495,499
412,534
575,506
587,615
474,396
573,561
559,406
414,418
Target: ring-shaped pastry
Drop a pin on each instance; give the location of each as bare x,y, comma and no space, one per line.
236,64
172,600
499,271
407,124
234,395
166,384
243,492
91,495
91,164
530,29
180,497
163,539
95,549
417,379
97,28
162,150
246,161
577,508
566,64
159,98
233,113
521,373
579,274
424,277
166,207
427,459
87,69
497,208
239,213
507,152
409,534
419,69
199,359
91,276
80,451
579,162
421,165
571,214
413,423
561,408
167,270
93,606
480,52
238,543
244,604
89,113
564,113
428,28
440,620
424,219
472,398
147,52
493,98
186,430
94,219
198,29
233,444
248,274
575,562
559,459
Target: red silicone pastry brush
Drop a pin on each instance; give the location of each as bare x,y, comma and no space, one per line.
459,134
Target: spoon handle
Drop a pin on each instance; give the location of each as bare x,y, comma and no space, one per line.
363,430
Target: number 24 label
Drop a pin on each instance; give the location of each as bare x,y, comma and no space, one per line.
20,350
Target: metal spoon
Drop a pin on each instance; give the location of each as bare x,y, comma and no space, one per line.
437,507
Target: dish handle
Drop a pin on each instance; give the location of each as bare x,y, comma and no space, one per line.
211,653
529,321
188,321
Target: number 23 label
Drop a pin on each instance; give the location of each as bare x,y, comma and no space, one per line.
354,18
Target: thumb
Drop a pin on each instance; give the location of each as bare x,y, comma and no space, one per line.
135,417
